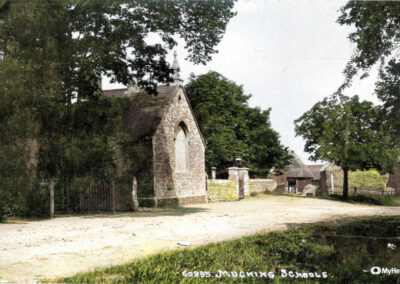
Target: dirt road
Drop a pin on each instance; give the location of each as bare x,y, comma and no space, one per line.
65,246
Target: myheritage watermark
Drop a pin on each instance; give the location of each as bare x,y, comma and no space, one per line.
283,273
376,270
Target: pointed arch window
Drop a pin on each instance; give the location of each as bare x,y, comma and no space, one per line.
181,149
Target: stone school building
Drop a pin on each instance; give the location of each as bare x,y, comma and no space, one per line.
165,145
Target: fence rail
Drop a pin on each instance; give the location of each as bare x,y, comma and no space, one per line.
90,195
363,192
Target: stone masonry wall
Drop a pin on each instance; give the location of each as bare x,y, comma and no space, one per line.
168,182
394,179
262,185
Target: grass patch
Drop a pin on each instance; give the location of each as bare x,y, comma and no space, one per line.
384,200
143,212
342,251
374,199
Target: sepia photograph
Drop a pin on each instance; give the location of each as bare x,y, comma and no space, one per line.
199,141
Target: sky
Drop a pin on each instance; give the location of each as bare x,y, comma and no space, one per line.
287,54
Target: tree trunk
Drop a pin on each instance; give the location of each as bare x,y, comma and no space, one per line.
346,184
33,149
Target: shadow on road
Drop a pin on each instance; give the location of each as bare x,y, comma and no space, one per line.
153,212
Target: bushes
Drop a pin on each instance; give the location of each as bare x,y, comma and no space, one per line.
23,201
369,180
225,191
37,203
147,202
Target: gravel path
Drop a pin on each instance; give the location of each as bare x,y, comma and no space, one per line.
65,246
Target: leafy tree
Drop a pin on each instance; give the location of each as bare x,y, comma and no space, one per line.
231,128
377,41
388,90
91,38
349,133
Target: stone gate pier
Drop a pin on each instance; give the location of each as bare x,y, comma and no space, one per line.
240,175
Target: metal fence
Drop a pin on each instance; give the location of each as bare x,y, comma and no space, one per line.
93,195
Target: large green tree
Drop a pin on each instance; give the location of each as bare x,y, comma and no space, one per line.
92,38
376,37
348,132
231,128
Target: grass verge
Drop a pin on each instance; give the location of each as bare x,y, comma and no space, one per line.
344,253
385,200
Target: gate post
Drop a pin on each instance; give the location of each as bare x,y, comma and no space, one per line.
52,182
113,195
241,177
213,173
135,202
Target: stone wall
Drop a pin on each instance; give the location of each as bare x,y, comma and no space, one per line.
167,181
394,179
262,185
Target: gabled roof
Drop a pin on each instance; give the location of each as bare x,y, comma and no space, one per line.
298,169
146,111
315,170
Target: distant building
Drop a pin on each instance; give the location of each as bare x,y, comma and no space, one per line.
296,176
331,178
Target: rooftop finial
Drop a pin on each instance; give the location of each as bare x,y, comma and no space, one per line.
177,78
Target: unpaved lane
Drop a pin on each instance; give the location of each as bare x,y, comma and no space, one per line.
64,246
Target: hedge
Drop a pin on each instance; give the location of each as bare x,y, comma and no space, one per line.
369,180
226,191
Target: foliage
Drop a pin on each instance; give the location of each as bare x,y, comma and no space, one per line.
370,179
18,130
388,90
376,37
226,191
136,159
231,128
307,249
90,38
349,133
147,202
